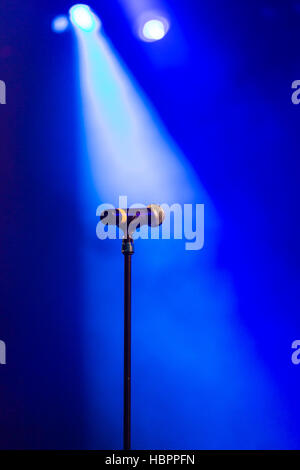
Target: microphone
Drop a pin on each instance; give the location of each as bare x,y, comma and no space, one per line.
152,215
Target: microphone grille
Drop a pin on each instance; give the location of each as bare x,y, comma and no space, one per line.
157,215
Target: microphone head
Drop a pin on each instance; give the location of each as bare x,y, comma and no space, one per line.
157,215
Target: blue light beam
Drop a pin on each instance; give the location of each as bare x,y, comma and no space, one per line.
193,362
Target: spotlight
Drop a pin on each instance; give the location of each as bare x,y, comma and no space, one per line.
154,29
83,17
60,24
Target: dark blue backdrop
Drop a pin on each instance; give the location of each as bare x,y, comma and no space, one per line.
212,366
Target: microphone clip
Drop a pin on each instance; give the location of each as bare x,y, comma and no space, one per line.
127,246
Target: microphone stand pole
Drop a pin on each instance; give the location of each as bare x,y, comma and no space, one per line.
127,250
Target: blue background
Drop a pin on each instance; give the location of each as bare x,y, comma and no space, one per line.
212,342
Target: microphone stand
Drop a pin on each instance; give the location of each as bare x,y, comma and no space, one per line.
127,250
129,221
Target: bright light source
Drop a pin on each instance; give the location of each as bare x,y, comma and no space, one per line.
153,29
60,24
83,17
